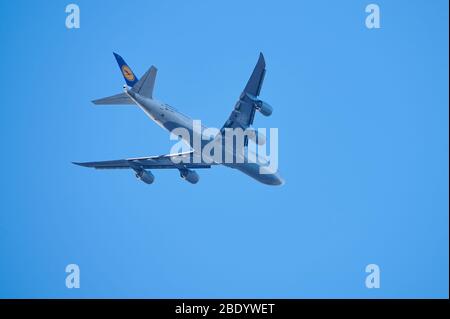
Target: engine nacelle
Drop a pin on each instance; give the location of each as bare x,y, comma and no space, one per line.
256,137
145,176
189,175
264,108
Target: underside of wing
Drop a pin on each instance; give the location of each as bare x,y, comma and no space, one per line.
174,161
245,108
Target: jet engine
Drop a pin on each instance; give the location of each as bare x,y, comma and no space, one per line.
263,107
145,176
189,175
256,137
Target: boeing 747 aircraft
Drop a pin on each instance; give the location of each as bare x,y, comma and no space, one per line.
140,93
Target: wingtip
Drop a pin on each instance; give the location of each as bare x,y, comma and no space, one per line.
261,59
79,164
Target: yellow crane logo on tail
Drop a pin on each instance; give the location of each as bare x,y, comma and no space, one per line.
127,73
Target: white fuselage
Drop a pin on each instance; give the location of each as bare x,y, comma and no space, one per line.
169,118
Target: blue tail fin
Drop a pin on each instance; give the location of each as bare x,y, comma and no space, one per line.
128,75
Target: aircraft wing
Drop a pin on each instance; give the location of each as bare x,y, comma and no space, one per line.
244,110
151,162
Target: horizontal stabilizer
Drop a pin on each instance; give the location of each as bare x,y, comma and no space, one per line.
118,99
145,85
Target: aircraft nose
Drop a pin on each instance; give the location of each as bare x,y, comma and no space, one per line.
274,179
277,179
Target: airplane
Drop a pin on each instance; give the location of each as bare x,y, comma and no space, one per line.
140,92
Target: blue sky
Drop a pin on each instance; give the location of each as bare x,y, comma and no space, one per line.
363,130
